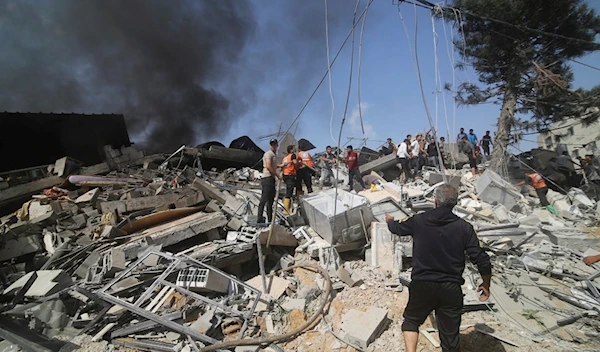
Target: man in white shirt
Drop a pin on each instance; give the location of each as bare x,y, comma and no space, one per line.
404,157
414,160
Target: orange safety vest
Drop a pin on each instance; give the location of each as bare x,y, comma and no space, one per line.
289,169
306,159
537,180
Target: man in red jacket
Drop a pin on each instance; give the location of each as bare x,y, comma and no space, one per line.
353,172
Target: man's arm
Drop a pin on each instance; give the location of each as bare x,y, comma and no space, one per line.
400,227
480,258
592,259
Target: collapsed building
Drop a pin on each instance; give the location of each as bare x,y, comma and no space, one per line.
164,253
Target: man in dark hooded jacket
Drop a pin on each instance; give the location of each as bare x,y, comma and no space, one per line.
440,241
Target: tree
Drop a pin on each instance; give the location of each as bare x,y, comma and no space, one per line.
521,50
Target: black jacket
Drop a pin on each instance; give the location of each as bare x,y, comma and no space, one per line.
440,240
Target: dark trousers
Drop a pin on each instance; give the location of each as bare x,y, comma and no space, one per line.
267,197
541,193
405,167
486,149
290,184
446,299
355,175
305,175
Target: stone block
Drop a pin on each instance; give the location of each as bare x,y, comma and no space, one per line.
190,200
491,188
346,277
294,303
362,328
88,197
37,209
213,206
91,260
280,237
20,245
276,286
112,232
235,224
234,206
138,203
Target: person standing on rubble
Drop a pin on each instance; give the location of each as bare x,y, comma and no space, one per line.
459,138
403,155
269,175
486,141
468,148
432,153
353,172
541,189
415,147
327,161
306,169
289,165
440,241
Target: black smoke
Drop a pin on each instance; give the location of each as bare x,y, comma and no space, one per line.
154,61
181,71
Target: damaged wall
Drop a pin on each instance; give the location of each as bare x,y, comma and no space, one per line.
43,138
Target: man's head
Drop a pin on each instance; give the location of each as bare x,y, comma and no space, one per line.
471,131
442,139
465,138
446,196
274,144
407,141
328,149
291,148
349,149
462,130
409,137
389,140
487,133
419,137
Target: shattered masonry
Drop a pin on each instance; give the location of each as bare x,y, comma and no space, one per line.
163,253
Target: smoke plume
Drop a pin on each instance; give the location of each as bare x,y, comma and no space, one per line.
180,71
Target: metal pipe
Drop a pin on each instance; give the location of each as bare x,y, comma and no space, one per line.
498,227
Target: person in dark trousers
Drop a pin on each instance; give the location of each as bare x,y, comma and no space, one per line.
306,169
468,148
269,175
353,173
460,136
441,242
289,166
541,189
403,155
486,141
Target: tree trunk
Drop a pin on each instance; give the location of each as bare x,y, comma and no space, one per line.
505,122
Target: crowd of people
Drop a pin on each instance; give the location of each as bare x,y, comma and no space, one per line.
424,150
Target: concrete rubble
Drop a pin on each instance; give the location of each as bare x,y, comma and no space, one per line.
164,253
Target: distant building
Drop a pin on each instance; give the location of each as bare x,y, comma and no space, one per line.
578,139
37,139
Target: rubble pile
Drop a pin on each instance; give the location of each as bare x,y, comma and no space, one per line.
159,253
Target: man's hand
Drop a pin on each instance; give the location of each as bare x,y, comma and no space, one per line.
484,289
388,218
592,259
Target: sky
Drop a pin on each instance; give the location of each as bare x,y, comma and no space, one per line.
391,99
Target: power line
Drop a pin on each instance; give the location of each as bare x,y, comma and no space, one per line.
430,6
584,64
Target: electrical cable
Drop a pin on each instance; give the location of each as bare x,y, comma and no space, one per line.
310,323
584,64
362,31
329,74
418,70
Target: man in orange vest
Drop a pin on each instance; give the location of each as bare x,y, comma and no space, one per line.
306,167
541,189
288,166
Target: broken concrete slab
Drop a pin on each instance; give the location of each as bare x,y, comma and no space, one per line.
362,328
47,283
276,286
129,205
19,246
88,197
190,200
384,255
294,303
491,188
176,231
209,191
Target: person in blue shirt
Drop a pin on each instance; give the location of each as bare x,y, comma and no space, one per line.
472,137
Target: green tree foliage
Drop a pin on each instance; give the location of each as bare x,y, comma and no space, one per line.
521,50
